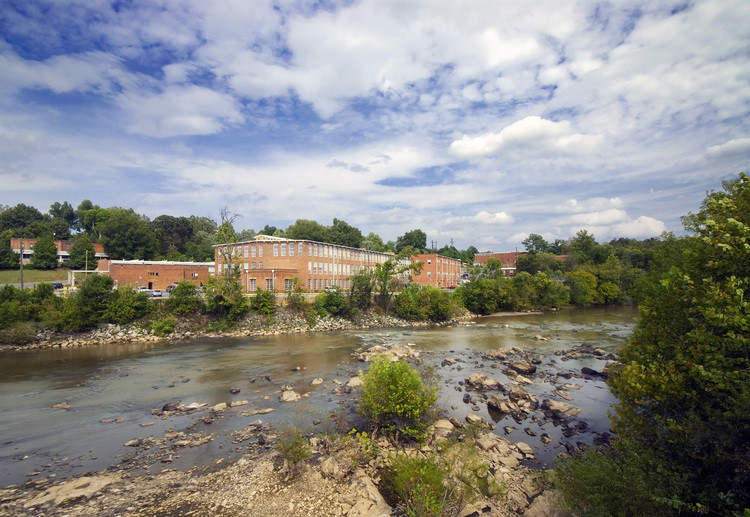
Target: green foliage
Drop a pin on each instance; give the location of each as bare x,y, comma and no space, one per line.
439,484
185,299
8,259
332,302
344,234
127,235
539,261
19,220
125,305
45,252
608,292
424,303
360,293
582,285
684,387
604,483
417,239
264,302
85,308
164,326
225,299
19,333
304,229
292,444
82,254
549,292
395,400
295,300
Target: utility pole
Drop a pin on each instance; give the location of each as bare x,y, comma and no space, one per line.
432,243
21,263
451,243
87,260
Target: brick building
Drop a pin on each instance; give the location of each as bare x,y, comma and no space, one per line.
270,263
508,260
63,250
437,270
155,274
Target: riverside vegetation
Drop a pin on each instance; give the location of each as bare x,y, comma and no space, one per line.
683,414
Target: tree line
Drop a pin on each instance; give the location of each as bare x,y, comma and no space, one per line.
128,235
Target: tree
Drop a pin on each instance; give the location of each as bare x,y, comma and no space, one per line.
172,233
360,293
373,242
45,253
89,217
344,234
539,261
386,276
8,259
535,242
82,254
127,235
684,384
304,229
268,230
582,285
18,219
417,239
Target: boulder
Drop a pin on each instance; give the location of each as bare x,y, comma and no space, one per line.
507,407
480,381
171,406
558,410
289,396
523,367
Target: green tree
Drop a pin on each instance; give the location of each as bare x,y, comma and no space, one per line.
82,254
535,243
304,229
8,259
684,385
125,305
582,285
539,262
201,247
172,233
344,234
269,230
45,253
18,220
127,235
417,239
373,242
360,292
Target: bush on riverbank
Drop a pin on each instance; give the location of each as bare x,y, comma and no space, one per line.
417,303
395,400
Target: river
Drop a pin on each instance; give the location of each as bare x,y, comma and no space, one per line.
111,390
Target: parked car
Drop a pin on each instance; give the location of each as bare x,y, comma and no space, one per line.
144,290
57,285
156,293
170,287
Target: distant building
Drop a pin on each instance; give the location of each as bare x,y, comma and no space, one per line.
63,250
507,259
437,270
155,274
271,263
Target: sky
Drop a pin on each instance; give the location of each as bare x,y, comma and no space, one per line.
477,122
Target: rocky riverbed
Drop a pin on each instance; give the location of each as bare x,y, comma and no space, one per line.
515,387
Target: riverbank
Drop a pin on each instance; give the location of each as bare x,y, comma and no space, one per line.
284,322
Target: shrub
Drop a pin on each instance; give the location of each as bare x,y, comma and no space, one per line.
19,333
293,445
184,299
603,483
225,299
126,305
424,303
294,298
395,400
440,484
264,303
164,326
333,302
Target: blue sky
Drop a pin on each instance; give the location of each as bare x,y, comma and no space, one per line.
479,122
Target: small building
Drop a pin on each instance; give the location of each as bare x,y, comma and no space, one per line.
63,250
507,259
155,274
437,270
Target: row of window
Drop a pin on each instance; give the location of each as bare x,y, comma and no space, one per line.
284,249
314,284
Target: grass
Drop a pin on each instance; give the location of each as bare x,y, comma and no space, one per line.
13,276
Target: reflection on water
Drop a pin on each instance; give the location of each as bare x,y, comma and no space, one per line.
127,381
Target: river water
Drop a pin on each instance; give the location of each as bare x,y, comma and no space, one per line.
111,390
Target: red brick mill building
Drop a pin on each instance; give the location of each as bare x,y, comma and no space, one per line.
155,274
271,263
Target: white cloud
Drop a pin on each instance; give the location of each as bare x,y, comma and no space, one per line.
499,218
640,228
531,136
590,205
733,147
181,110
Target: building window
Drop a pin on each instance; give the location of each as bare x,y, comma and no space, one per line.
260,265
260,252
429,261
195,275
275,250
429,274
247,266
252,251
252,284
300,249
269,284
309,284
283,250
309,267
246,250
287,284
252,266
291,250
